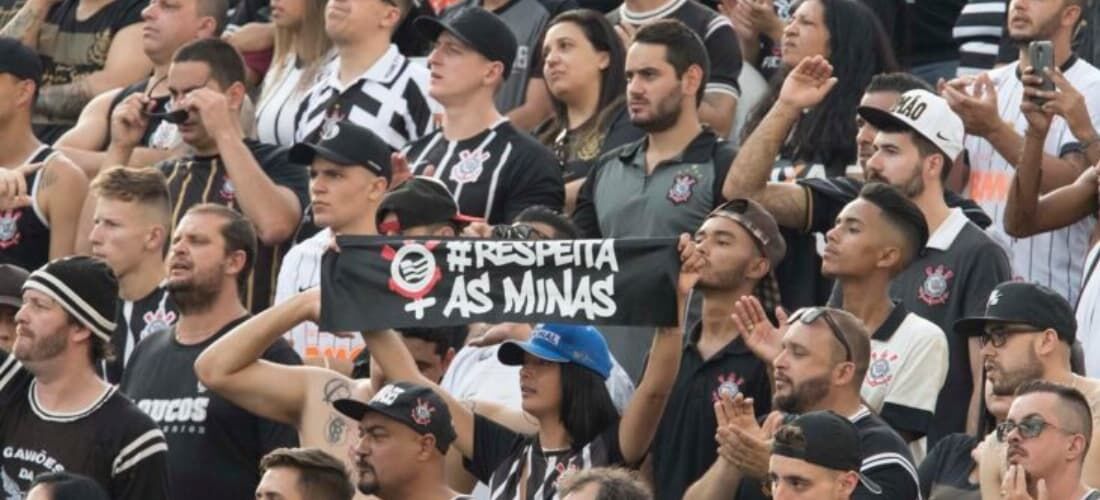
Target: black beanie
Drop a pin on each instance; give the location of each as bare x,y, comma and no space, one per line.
85,287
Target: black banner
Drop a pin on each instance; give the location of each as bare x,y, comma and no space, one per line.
376,282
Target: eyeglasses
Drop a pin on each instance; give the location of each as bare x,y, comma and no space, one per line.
997,336
176,116
1030,427
808,315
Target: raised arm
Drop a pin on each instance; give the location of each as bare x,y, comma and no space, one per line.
806,86
26,22
643,414
232,367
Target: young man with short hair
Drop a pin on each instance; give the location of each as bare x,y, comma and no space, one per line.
604,483
303,474
206,79
168,25
39,187
1026,333
57,413
815,457
216,445
914,151
130,232
493,169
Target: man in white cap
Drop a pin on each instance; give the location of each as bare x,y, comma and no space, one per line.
918,141
57,413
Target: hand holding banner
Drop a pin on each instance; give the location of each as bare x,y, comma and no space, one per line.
375,282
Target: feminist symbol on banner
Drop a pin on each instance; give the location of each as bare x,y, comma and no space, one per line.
413,274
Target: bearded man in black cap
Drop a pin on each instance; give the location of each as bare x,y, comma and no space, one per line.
40,189
57,413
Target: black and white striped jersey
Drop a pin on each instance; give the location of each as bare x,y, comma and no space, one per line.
978,31
110,441
494,174
390,99
152,314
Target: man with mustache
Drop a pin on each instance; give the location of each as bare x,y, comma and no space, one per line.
823,360
1048,431
216,445
404,433
917,143
1026,334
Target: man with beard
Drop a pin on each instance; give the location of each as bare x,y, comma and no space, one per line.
1048,431
216,446
918,140
404,433
821,365
1026,334
989,106
493,169
57,414
739,243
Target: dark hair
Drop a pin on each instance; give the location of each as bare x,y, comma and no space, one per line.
218,10
899,82
563,226
858,50
408,39
226,65
586,406
683,49
925,147
444,337
237,232
599,32
615,484
1074,407
901,213
99,350
320,475
790,436
70,486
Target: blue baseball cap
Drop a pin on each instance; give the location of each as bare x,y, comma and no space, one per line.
559,343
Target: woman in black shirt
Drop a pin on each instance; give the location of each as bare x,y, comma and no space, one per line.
583,64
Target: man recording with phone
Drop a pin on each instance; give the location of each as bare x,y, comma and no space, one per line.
990,108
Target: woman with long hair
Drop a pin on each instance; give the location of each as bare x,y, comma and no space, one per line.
562,375
301,49
848,35
583,63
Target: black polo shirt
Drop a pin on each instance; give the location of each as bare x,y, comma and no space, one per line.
684,446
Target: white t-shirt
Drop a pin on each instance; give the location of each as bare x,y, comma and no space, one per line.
1088,314
908,367
300,271
282,95
1053,259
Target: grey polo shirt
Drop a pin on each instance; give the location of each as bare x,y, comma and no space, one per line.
619,199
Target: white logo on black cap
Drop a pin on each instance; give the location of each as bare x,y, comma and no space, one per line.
387,395
330,130
995,298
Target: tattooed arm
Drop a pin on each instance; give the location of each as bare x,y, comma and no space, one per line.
126,64
232,366
25,24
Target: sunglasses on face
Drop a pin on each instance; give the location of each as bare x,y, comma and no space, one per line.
997,336
1030,427
808,315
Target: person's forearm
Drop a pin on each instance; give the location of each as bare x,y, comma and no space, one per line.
717,110
64,102
25,24
720,481
1057,172
246,343
1023,193
260,198
117,154
748,175
389,351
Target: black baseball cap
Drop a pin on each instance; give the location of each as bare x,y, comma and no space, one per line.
478,28
12,278
828,440
1018,302
416,406
19,60
348,144
421,201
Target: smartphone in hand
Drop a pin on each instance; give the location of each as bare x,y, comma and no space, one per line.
1041,55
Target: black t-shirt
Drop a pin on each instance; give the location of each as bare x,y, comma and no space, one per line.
204,179
501,456
216,446
24,232
930,25
684,448
580,152
494,174
160,105
110,441
153,314
945,472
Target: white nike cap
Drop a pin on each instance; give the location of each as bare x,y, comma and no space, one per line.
926,114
